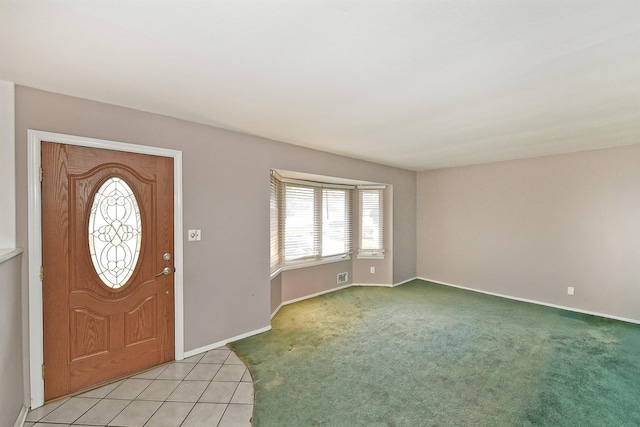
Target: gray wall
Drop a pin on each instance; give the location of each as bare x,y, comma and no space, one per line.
276,292
226,194
11,391
531,228
301,282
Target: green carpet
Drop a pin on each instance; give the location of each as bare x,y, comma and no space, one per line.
424,354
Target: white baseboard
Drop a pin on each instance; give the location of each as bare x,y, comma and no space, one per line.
291,301
336,289
562,307
405,281
276,311
374,285
225,342
22,416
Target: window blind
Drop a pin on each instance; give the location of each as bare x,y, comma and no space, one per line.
274,223
301,235
336,222
371,222
311,221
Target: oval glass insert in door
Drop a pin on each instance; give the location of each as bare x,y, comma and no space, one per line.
115,232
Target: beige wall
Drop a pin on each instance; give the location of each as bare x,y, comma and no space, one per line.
11,380
531,228
226,194
301,282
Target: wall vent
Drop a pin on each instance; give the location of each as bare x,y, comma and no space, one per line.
343,277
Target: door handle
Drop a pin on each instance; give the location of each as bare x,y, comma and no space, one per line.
165,272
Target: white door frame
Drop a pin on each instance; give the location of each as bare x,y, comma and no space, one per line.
36,344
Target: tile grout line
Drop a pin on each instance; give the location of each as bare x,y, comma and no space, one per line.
203,391
226,407
125,407
151,416
174,390
130,400
225,362
81,415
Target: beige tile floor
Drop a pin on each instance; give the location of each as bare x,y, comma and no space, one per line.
209,389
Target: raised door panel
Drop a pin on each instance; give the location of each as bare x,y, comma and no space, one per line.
89,333
140,322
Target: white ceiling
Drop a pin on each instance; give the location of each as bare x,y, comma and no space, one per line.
415,84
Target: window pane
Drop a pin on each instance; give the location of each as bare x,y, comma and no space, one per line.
299,233
310,222
371,220
335,222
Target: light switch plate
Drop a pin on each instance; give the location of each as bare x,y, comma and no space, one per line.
194,235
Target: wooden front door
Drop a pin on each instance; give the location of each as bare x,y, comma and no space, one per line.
107,238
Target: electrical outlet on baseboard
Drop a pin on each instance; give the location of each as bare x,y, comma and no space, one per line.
372,270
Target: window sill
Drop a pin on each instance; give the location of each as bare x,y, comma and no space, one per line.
371,255
311,263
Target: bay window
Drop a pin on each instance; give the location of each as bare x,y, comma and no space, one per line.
310,221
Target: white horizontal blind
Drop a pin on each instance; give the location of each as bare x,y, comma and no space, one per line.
314,221
336,222
371,222
274,223
301,234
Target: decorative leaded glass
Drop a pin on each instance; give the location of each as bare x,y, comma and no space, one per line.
115,232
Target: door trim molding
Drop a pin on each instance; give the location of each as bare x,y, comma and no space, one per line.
36,334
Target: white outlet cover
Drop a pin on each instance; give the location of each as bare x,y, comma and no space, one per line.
570,290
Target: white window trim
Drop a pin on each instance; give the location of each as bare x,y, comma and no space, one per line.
294,265
372,187
313,183
370,255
